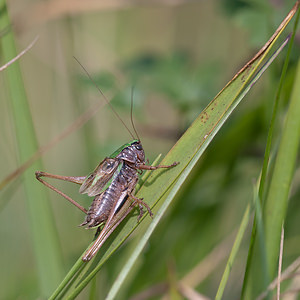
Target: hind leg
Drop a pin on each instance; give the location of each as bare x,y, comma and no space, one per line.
77,180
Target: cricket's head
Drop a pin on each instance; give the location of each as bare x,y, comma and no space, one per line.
132,152
138,149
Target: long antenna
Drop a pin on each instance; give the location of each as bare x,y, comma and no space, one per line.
131,114
106,100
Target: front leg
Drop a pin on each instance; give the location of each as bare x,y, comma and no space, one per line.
140,201
146,167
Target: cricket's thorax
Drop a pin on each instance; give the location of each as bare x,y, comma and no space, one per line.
133,154
121,187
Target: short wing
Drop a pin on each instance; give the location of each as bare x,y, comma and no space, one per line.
98,179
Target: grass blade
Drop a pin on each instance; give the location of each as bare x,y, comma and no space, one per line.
252,282
233,252
247,213
277,200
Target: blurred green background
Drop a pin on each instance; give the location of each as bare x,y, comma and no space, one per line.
178,56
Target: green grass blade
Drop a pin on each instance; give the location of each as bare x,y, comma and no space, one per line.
285,161
252,283
275,207
246,216
44,235
277,199
275,111
76,267
233,253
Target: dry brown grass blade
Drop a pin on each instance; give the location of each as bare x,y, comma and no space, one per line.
188,293
280,263
289,272
19,55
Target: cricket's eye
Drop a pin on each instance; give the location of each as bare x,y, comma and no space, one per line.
91,176
139,147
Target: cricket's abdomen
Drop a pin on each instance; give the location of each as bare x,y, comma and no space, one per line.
98,212
103,203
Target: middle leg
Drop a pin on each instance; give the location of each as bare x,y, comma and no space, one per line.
141,203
